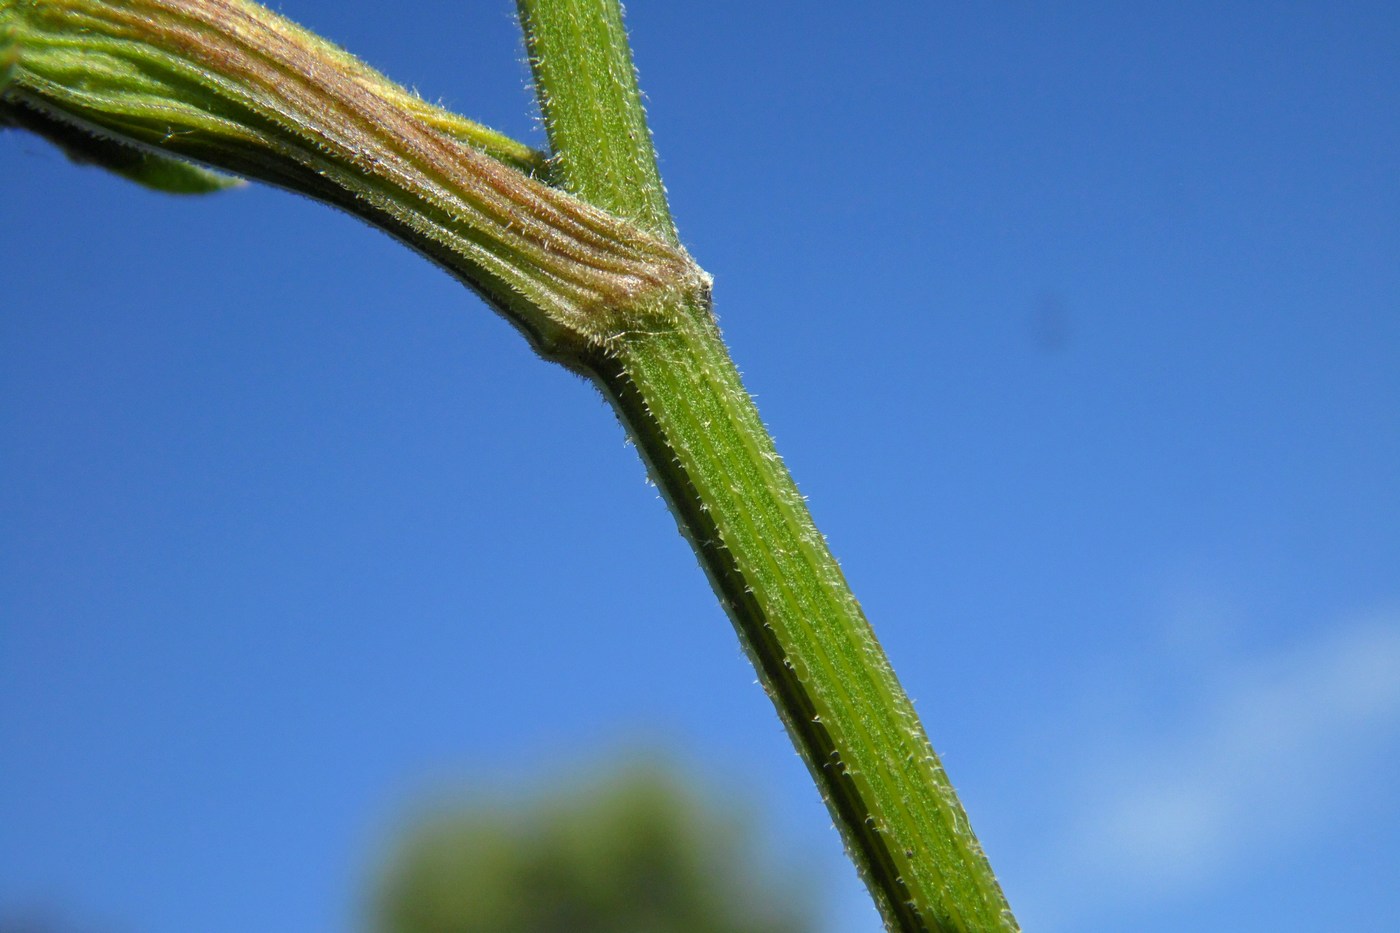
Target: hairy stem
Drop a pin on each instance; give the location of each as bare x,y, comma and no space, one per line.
680,396
592,108
230,84
595,277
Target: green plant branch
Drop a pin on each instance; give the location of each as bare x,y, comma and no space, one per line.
229,84
587,89
150,169
708,451
595,278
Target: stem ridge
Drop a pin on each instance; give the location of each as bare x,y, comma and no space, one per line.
229,84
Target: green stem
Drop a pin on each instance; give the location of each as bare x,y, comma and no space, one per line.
597,280
587,88
230,84
680,395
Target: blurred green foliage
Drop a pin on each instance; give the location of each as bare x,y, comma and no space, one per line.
637,853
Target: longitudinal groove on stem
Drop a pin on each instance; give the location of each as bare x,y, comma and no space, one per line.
680,396
602,286
226,82
795,614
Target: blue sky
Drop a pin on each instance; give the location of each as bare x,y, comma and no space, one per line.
1079,326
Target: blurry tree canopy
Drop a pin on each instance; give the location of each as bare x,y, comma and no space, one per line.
635,854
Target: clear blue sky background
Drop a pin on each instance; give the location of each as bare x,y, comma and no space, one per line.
1079,324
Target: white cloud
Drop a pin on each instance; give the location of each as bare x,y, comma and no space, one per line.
1263,761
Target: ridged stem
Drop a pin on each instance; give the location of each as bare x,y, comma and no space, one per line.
597,280
229,84
681,398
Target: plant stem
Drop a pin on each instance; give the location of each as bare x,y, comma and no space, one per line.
680,396
597,280
587,88
231,84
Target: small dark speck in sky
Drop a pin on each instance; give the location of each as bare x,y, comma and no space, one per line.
1049,323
